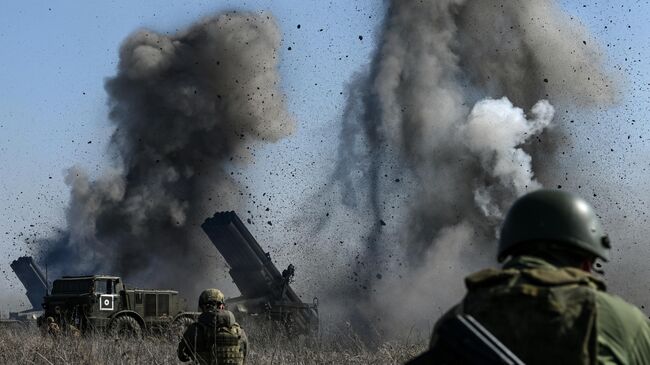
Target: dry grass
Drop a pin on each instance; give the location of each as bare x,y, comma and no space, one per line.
27,346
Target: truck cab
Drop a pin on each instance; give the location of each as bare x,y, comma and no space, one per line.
83,301
103,303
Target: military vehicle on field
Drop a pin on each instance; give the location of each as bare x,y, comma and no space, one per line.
35,283
102,303
265,292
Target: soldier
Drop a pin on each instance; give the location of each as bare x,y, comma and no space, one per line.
544,304
52,328
215,338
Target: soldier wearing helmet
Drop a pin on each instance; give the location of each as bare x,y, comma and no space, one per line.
544,304
215,338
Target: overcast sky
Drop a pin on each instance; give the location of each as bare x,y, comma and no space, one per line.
53,114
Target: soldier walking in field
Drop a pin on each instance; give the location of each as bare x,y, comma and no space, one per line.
544,304
215,338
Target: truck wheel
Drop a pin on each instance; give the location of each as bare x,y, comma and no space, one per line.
125,326
180,325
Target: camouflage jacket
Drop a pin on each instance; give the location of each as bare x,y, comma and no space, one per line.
215,338
546,315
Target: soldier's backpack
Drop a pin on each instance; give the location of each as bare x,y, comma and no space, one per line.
544,316
226,346
222,339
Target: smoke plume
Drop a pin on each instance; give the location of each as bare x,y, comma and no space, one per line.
460,167
494,131
185,107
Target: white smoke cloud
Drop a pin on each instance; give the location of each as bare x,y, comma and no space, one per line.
495,132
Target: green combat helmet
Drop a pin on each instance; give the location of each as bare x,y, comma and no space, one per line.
553,216
210,295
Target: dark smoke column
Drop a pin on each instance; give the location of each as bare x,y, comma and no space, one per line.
184,107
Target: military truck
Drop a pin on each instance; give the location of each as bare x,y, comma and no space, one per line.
102,303
265,291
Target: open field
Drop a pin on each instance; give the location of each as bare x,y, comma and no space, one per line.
27,346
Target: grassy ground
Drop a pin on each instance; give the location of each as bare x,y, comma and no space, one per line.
27,346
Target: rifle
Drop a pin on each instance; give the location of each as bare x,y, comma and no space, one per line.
463,340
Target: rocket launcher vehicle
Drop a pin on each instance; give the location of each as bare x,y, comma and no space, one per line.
32,279
265,291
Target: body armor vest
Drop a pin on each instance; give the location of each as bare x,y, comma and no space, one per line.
218,340
540,314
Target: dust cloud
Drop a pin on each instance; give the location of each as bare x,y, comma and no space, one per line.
185,107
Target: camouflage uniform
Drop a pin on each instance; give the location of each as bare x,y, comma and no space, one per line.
544,304
215,338
543,313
